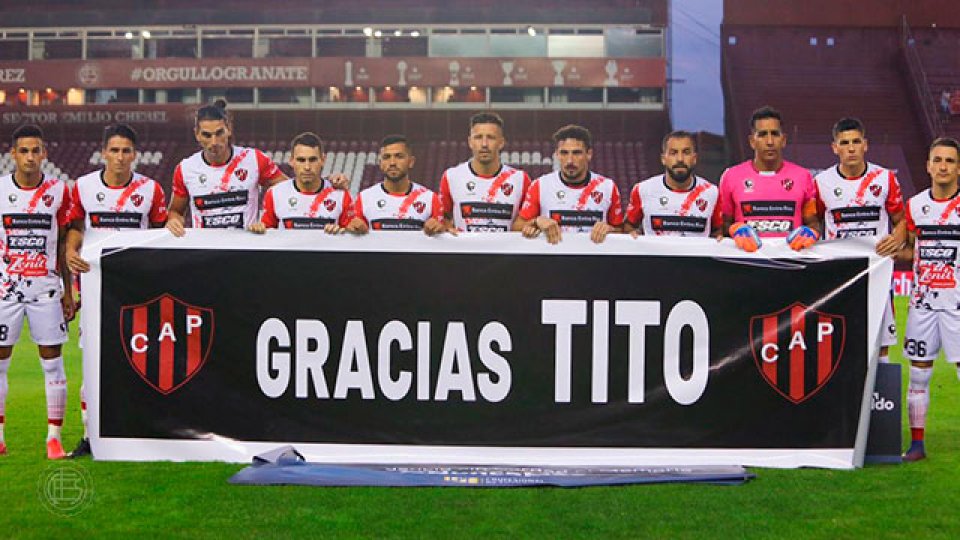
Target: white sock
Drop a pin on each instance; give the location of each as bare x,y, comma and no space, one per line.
4,366
56,385
918,396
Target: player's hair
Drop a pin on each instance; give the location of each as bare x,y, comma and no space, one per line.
307,138
764,113
119,130
848,124
486,117
396,139
678,134
949,142
572,131
26,130
215,111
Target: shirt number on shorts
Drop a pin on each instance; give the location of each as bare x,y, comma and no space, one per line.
915,347
3,332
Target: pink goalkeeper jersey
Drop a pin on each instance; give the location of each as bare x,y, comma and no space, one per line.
773,203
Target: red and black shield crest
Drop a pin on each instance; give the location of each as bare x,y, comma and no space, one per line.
787,184
241,174
507,189
137,199
330,205
876,190
797,349
419,206
597,196
702,205
166,340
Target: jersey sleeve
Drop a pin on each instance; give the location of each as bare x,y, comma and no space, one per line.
531,202
716,220
615,212
346,215
635,207
268,170
358,209
445,197
158,212
76,204
269,217
436,210
894,203
911,225
526,185
179,187
725,201
63,213
821,206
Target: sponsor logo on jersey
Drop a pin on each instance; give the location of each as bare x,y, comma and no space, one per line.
166,340
669,223
486,210
938,232
28,264
28,221
305,222
221,200
27,243
471,185
202,179
855,233
223,221
837,192
487,228
116,220
381,203
936,275
576,218
664,201
797,349
101,196
394,224
938,253
12,198
292,201
768,208
856,214
770,225
748,185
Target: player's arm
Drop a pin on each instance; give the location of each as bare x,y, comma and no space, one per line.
890,245
270,173
529,221
175,213
807,234
446,198
268,219
631,223
436,224
614,221
67,301
158,211
358,222
906,252
74,242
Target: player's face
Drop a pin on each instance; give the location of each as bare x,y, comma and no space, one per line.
214,138
679,158
118,154
395,161
486,141
850,147
574,159
307,162
943,165
28,155
768,140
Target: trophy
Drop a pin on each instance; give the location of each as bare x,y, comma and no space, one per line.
348,79
454,73
558,66
507,68
402,69
611,69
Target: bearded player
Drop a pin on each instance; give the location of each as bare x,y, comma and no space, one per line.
857,198
34,279
483,194
677,202
933,323
573,198
114,198
768,197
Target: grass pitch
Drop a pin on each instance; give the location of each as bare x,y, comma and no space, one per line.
194,500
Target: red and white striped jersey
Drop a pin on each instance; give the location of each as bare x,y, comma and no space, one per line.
384,211
575,208
224,196
483,203
31,219
859,206
134,205
936,224
662,211
286,207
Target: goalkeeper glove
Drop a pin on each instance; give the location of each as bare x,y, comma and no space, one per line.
802,237
745,237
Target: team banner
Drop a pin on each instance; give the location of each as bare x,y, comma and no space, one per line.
480,349
334,71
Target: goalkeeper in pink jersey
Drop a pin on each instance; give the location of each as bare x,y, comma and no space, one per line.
768,196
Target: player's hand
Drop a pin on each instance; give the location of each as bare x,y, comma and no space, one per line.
333,228
635,233
549,227
257,228
76,263
889,246
339,181
357,226
745,237
175,226
69,307
802,237
599,232
433,227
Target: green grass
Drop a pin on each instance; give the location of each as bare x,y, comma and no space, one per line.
194,499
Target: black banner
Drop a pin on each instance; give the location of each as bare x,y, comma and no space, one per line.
482,349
